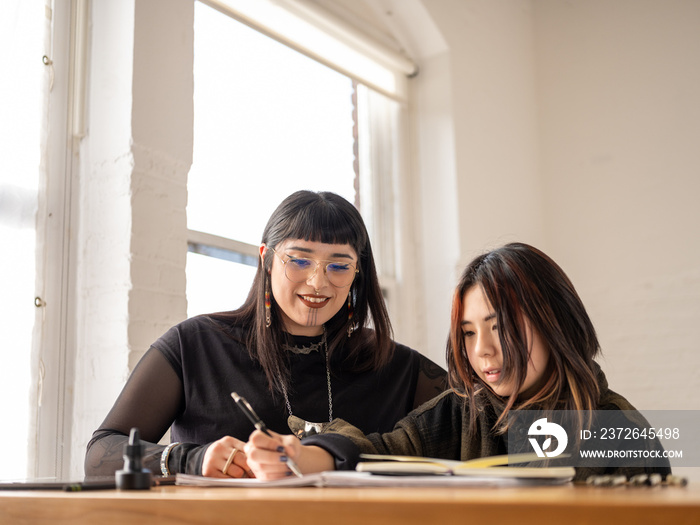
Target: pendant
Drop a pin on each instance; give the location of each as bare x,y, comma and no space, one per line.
301,428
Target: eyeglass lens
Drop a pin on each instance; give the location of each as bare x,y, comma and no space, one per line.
299,270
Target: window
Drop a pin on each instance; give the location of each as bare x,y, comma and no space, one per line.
268,121
22,26
303,101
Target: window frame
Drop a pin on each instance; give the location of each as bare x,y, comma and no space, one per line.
53,341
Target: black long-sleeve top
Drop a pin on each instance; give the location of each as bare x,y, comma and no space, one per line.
184,381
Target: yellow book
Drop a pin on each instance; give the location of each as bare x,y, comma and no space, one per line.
492,466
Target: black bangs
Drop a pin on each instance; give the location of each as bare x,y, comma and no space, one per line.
317,217
324,223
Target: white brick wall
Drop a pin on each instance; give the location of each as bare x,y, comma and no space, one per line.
133,228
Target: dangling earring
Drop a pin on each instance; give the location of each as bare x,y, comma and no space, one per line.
268,305
351,327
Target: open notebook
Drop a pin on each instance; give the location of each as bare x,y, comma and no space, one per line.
408,471
488,467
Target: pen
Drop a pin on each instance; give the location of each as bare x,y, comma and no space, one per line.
250,414
80,487
107,485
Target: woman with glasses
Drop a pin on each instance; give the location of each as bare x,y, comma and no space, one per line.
299,349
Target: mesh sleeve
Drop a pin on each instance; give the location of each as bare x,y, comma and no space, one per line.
150,401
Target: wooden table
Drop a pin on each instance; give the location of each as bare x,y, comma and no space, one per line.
570,505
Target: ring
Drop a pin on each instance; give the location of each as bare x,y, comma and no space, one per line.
229,460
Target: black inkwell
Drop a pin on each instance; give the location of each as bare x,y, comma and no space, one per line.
134,476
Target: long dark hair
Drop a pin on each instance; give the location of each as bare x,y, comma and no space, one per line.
521,281
328,218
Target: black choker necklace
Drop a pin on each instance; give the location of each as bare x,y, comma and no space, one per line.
300,427
303,349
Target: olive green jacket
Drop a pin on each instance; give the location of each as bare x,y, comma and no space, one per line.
440,428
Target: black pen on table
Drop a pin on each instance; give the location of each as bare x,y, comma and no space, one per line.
80,487
250,414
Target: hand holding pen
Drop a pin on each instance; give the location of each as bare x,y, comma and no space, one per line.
260,425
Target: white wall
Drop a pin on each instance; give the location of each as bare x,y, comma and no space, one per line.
104,230
576,129
476,151
132,239
577,126
619,108
436,205
493,84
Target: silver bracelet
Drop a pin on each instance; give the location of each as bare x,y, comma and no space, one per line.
164,458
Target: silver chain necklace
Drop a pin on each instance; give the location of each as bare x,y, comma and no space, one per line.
300,427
